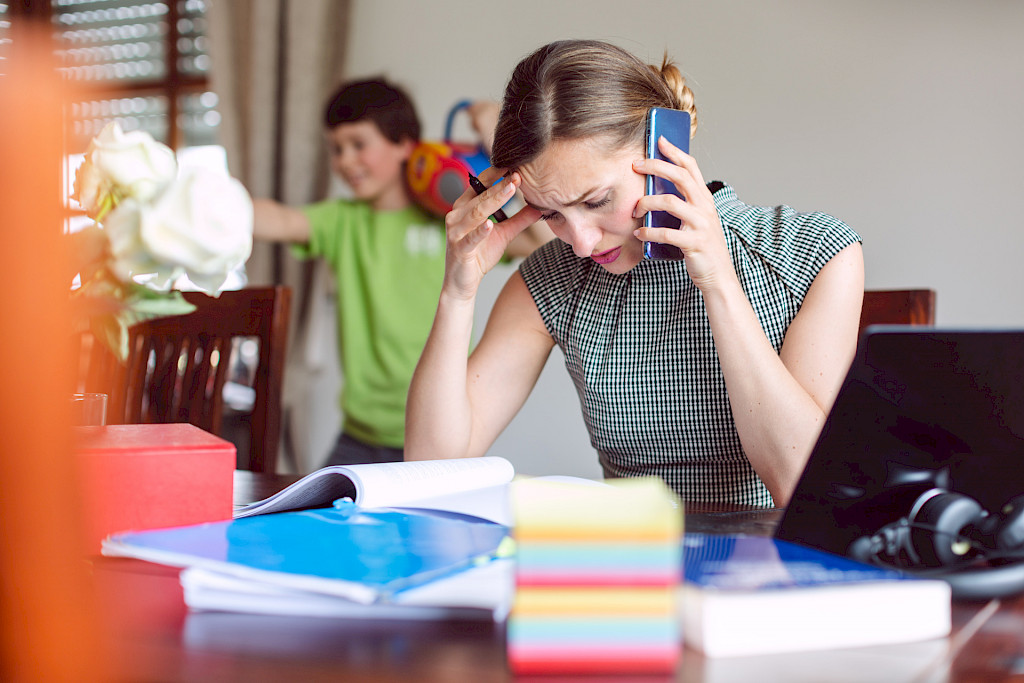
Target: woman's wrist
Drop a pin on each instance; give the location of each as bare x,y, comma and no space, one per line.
454,301
454,291
722,291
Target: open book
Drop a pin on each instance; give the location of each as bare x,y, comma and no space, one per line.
363,533
477,487
470,486
360,533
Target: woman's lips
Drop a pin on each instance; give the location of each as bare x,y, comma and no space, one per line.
606,256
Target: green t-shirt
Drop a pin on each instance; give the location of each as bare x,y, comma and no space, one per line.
389,266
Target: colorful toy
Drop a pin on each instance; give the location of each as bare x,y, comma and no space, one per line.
437,171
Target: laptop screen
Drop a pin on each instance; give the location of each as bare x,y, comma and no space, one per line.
921,408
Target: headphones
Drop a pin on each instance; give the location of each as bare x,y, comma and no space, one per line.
951,536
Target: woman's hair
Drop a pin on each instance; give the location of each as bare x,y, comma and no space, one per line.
574,89
375,100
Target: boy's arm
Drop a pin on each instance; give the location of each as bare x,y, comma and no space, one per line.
276,222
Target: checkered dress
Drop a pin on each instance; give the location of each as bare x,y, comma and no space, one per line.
639,349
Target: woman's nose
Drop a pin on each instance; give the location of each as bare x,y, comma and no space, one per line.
584,237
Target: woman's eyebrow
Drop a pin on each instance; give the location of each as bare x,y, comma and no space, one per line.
579,200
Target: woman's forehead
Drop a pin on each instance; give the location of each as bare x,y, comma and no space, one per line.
569,169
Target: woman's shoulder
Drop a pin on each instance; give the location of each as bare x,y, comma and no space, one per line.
781,230
781,242
751,219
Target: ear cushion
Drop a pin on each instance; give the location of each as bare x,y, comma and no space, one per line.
1009,533
938,525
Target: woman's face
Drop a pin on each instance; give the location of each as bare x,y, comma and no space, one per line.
587,194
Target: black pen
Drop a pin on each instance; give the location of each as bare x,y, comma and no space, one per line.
480,188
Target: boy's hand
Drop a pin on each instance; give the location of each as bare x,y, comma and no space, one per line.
476,244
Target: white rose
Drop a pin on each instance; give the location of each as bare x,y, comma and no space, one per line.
92,189
201,223
119,165
130,260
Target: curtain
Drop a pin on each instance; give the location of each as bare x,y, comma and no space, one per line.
273,65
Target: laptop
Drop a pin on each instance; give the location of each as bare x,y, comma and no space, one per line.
920,408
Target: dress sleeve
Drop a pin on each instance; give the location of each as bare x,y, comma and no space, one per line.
796,246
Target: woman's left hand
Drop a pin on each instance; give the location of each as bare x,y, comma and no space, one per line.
700,236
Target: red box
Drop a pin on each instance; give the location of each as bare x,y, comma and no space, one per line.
150,476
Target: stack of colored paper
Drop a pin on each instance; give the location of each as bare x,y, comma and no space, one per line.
597,569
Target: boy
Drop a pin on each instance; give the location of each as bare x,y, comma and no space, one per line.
387,256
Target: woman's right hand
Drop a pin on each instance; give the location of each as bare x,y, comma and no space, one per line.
476,244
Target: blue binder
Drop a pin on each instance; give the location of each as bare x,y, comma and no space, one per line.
363,555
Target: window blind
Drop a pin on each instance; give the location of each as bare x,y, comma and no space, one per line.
144,64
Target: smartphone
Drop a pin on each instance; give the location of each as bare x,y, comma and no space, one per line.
675,126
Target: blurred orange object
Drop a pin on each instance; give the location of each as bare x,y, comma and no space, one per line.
47,608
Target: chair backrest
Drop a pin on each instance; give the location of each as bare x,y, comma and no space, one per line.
898,307
178,366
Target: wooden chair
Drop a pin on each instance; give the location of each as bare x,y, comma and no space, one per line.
178,366
898,307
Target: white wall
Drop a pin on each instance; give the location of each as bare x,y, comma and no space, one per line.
902,118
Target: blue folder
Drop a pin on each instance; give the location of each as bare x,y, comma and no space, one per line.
362,555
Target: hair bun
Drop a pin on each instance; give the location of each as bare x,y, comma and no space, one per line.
682,96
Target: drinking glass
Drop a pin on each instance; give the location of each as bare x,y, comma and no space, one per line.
88,410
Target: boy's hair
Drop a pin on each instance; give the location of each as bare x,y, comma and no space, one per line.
376,100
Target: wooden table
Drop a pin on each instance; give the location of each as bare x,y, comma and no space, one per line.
158,639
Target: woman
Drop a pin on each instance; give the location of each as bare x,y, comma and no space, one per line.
715,372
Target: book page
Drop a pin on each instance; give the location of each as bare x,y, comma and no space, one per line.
491,503
396,484
389,484
318,489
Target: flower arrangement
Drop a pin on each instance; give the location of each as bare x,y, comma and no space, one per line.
154,223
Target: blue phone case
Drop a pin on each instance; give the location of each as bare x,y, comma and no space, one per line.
675,126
